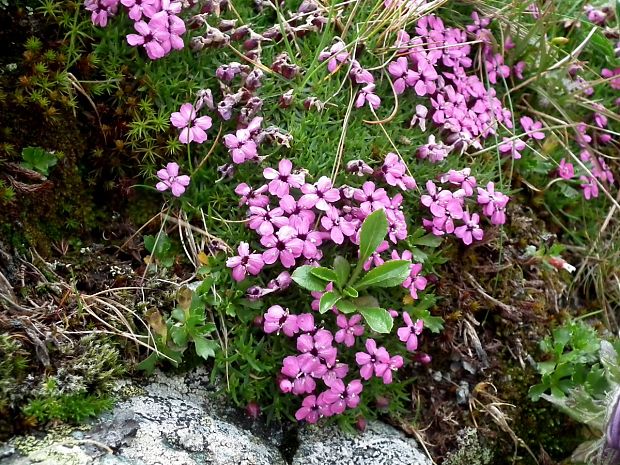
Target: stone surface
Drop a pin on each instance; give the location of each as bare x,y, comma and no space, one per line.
379,444
178,420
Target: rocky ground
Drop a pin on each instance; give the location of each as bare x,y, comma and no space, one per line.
180,420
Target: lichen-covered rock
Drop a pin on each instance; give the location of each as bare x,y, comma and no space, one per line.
179,420
379,444
173,421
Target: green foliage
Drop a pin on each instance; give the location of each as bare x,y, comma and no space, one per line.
38,159
347,286
572,353
72,408
186,325
161,249
13,369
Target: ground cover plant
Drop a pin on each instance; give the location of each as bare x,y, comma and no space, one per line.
347,210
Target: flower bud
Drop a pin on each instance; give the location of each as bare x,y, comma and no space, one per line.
287,99
423,358
382,402
258,321
252,410
361,424
612,433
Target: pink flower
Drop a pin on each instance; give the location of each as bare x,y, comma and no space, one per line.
433,151
265,220
512,147
375,259
296,214
284,246
319,195
518,69
146,38
170,179
309,410
349,329
394,170
374,360
337,226
367,95
414,282
283,179
394,364
589,186
279,319
494,203
319,345
403,76
252,197
462,178
192,128
360,75
470,230
242,147
532,128
101,10
410,332
302,369
419,118
311,239
339,397
451,209
371,198
566,170
245,263
335,55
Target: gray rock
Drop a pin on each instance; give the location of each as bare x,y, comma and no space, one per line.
178,420
172,422
379,444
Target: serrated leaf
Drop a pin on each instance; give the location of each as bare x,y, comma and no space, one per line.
205,347
304,278
390,274
374,229
328,300
342,269
179,335
378,319
346,306
325,274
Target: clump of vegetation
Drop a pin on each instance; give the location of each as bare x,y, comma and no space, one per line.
474,141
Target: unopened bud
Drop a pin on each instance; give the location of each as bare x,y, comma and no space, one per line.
252,410
361,424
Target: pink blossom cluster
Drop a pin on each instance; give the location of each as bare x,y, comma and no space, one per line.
317,362
599,16
450,209
338,57
599,171
284,212
437,63
158,27
294,221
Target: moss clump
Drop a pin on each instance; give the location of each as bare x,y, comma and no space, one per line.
68,408
13,370
470,450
